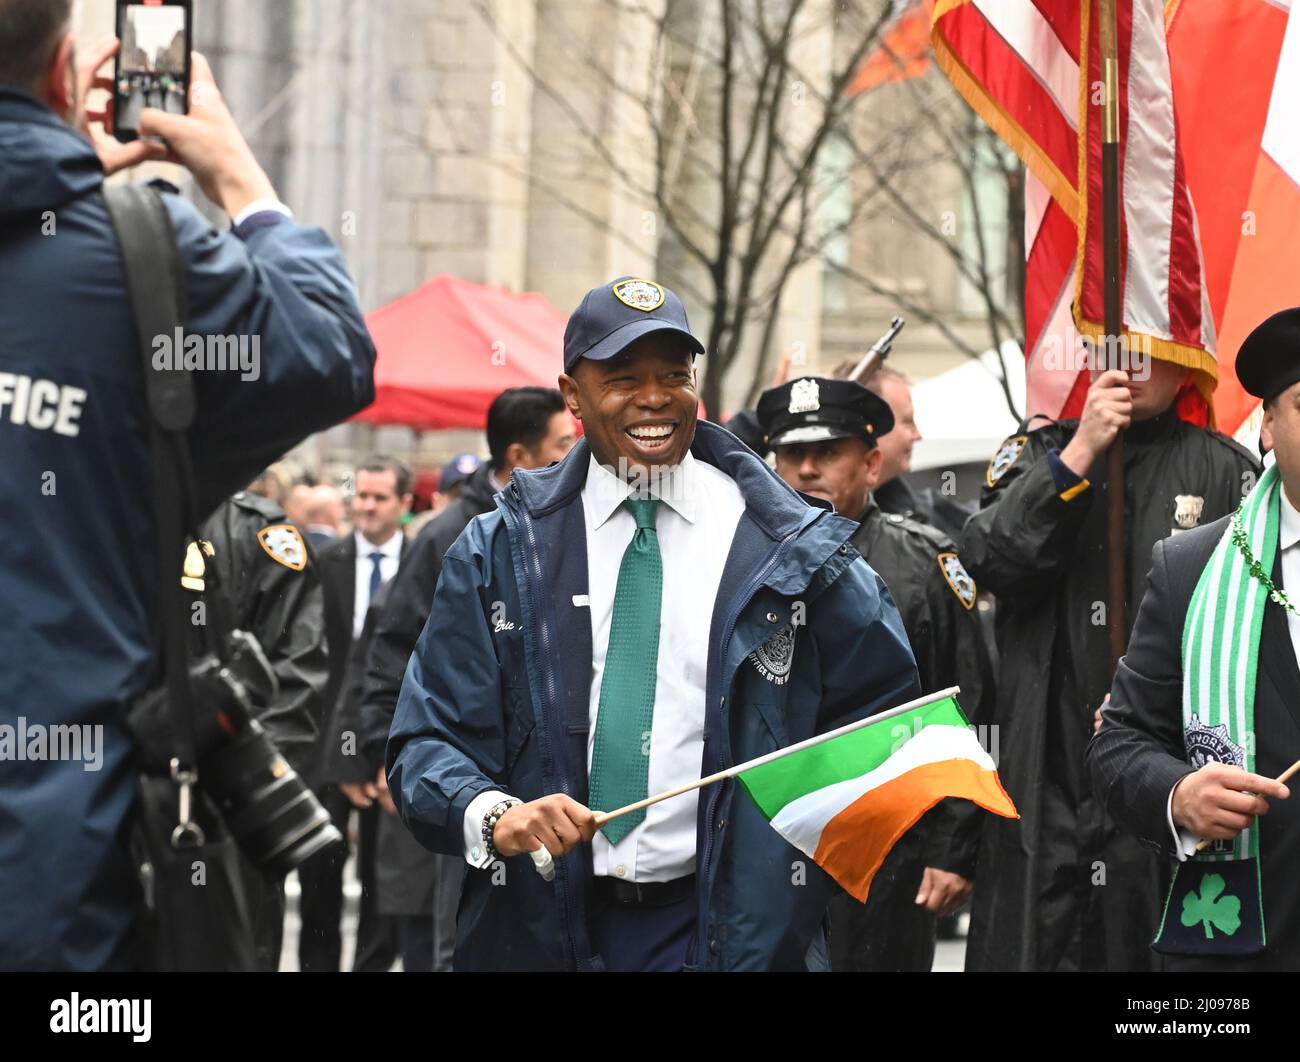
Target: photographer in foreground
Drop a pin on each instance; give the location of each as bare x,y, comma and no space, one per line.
78,571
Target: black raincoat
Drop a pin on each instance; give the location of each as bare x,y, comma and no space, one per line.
1062,888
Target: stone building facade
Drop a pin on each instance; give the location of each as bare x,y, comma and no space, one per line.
485,138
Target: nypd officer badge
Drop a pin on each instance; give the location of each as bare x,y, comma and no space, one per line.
1008,453
643,295
284,545
1187,512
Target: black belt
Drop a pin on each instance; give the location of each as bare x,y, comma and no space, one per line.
643,894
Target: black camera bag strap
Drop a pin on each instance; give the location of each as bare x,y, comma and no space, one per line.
156,284
196,912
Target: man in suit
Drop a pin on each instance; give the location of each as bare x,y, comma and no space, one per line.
527,427
1174,761
353,569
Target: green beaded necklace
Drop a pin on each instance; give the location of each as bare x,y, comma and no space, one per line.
1242,543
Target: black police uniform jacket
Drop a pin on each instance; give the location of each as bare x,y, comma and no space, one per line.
406,609
1138,755
889,931
284,608
1062,888
407,874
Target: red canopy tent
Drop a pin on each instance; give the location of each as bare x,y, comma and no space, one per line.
449,348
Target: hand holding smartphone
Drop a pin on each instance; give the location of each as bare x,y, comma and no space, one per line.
153,64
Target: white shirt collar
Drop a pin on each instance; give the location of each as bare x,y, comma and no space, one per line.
605,492
497,485
392,548
1289,527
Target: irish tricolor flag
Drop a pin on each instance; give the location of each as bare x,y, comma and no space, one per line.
844,798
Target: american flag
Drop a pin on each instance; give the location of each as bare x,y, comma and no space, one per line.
1032,70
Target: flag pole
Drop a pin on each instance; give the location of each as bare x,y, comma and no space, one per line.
1111,206
1284,777
759,761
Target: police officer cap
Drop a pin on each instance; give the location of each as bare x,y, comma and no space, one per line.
815,408
612,317
1269,360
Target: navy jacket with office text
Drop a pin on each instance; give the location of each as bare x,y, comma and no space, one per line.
78,631
496,696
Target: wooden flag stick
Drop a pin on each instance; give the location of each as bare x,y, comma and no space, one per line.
1111,209
606,816
1284,777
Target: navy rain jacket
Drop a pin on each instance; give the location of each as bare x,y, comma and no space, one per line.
504,705
78,637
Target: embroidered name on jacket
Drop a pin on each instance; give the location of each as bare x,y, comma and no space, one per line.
774,657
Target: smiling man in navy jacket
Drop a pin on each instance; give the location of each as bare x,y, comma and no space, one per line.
657,605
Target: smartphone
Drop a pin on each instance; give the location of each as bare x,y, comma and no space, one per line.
153,64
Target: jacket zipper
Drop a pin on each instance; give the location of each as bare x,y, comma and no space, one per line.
533,577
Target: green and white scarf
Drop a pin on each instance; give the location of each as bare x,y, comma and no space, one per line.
1221,641
1221,910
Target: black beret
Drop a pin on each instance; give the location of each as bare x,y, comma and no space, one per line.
815,408
1269,360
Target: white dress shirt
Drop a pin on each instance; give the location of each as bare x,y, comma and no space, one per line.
259,206
1288,537
392,551
695,527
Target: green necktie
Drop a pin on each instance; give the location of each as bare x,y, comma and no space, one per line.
620,759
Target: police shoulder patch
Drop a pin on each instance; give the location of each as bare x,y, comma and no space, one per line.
1008,454
958,579
284,545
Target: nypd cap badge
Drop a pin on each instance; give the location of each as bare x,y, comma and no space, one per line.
805,396
643,295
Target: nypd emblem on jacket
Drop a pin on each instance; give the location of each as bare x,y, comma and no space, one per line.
774,657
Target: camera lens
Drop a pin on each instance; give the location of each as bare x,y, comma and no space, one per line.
268,808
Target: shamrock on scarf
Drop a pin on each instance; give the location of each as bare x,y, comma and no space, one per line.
1211,909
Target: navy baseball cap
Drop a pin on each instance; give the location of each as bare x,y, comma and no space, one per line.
457,470
612,317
